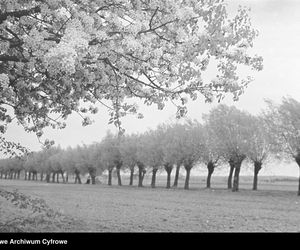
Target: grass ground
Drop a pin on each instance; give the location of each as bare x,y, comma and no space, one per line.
100,208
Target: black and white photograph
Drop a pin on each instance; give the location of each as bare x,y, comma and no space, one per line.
148,116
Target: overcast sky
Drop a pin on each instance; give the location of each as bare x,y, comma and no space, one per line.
278,23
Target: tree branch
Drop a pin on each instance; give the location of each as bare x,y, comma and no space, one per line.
19,13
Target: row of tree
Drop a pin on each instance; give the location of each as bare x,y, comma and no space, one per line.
227,136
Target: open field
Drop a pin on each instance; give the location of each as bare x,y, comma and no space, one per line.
101,208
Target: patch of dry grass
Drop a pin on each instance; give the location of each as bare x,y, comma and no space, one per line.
100,208
21,213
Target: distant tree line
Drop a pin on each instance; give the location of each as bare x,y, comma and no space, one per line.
227,136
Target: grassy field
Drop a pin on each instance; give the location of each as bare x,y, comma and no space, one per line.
100,208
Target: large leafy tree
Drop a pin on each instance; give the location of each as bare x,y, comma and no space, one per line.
89,159
230,125
128,150
57,54
111,156
183,146
174,149
283,121
149,154
259,145
211,152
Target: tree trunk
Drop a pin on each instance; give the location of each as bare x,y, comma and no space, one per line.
119,177
29,176
175,184
62,176
168,168
235,187
142,172
93,178
141,176
257,168
25,176
48,177
42,176
210,168
67,177
153,180
77,177
1,174
109,176
238,164
131,176
187,177
18,176
53,177
229,182
57,177
298,162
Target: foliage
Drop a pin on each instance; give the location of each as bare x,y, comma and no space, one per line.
28,214
61,56
128,149
230,125
283,122
259,143
110,151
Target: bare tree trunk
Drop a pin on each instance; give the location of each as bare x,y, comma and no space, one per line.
153,180
42,176
298,162
210,168
119,177
131,176
1,174
18,176
229,182
29,176
257,168
238,164
175,184
141,173
109,176
57,177
62,176
168,168
93,178
140,176
77,176
25,176
187,177
47,177
53,177
67,177
235,186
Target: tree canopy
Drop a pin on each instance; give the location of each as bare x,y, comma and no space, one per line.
64,56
